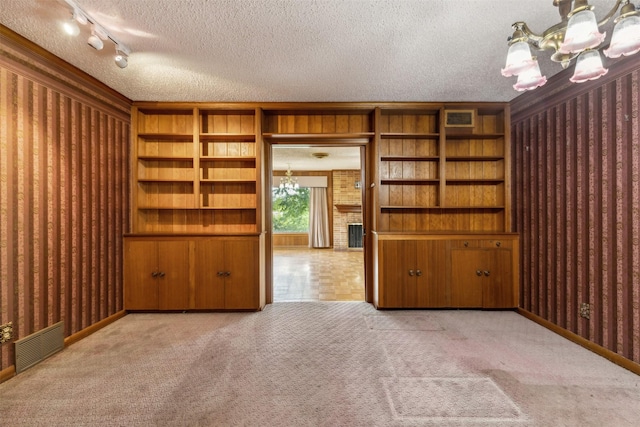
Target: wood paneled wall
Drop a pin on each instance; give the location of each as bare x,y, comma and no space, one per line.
577,205
64,193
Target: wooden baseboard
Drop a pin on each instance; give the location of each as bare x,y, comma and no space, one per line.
93,328
7,373
589,345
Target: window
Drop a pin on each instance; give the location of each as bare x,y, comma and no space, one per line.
290,210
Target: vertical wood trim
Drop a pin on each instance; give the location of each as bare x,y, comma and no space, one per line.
258,150
196,157
134,166
508,226
372,186
442,153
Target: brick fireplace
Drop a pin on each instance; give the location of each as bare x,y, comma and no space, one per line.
347,209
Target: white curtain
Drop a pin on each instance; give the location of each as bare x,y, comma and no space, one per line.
318,218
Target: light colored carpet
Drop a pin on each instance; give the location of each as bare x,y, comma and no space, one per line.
323,364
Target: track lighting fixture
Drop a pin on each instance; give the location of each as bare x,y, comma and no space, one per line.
122,55
98,33
71,26
95,42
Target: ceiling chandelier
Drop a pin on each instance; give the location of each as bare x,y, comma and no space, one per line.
577,35
288,181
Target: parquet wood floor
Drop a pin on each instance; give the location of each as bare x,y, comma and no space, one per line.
303,274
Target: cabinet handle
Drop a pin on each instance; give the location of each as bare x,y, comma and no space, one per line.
498,244
418,272
411,273
220,273
487,272
466,244
227,273
154,274
161,274
478,273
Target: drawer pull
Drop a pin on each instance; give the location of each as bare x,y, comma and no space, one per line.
498,244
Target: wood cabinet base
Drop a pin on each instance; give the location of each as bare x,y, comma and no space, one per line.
446,270
180,273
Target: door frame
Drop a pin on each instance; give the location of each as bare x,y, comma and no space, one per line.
366,163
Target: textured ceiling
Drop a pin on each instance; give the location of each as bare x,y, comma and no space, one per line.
296,50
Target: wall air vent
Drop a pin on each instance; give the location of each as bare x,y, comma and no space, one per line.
459,118
38,346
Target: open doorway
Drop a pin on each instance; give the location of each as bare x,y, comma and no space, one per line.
316,255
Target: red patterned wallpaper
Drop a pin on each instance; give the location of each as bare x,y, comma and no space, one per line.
577,205
64,196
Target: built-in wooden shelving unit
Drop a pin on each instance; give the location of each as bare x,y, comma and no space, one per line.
196,170
438,174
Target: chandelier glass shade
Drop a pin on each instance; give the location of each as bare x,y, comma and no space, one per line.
518,59
288,181
626,38
576,36
588,67
582,33
530,79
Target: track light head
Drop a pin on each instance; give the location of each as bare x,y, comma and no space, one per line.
95,42
122,55
97,35
121,61
71,28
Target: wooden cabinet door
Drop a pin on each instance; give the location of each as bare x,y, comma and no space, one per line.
482,278
140,267
497,290
209,274
397,287
467,272
173,277
241,261
431,286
